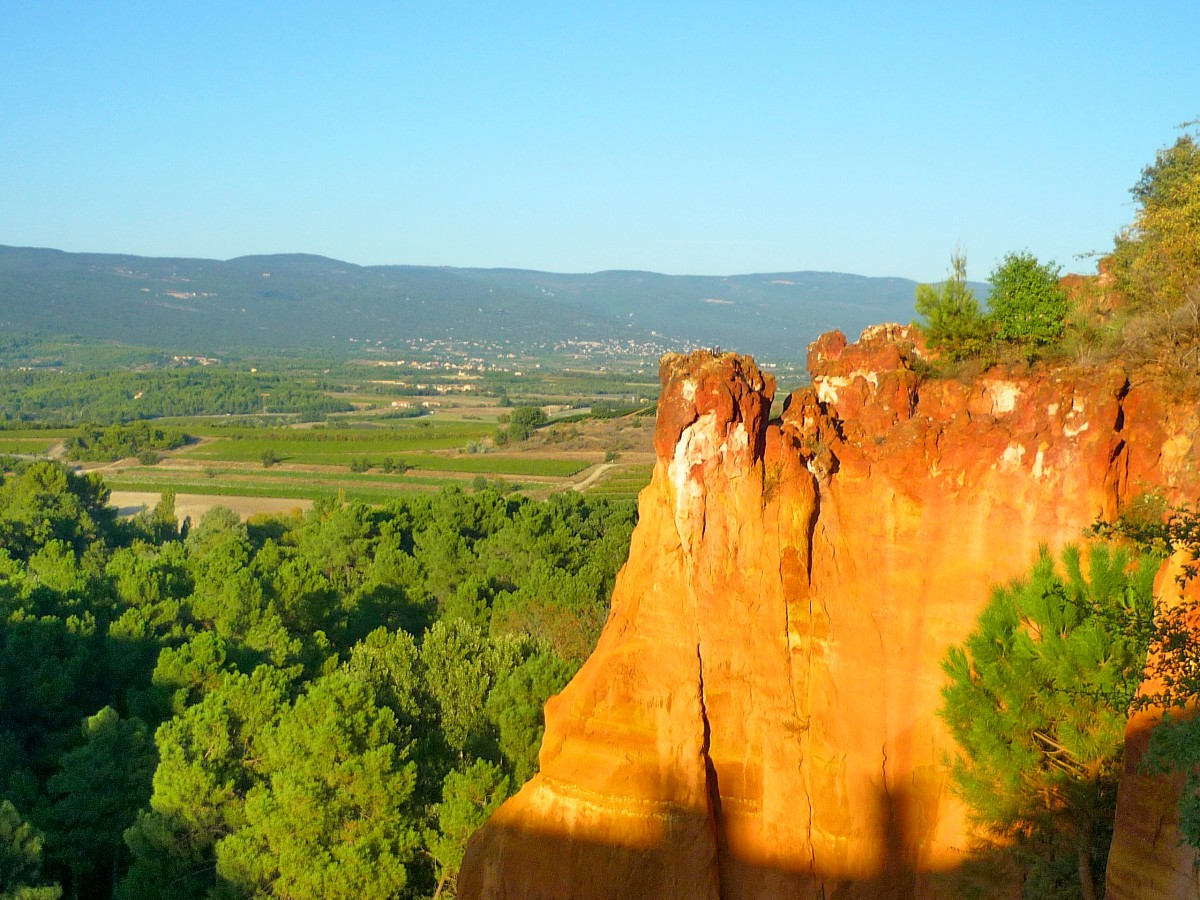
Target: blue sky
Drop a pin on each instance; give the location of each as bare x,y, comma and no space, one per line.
683,138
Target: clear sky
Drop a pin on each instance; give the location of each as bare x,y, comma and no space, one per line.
683,138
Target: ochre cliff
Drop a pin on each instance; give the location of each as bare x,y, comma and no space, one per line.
759,718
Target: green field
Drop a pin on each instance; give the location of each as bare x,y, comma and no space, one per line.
473,464
231,452
38,445
298,490
31,441
625,481
165,477
409,443
489,464
336,446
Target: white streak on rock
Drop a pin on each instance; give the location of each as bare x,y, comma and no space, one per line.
1004,396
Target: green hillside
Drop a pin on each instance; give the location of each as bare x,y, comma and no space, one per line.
310,302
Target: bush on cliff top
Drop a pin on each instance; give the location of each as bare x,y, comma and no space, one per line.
1156,260
1028,311
1028,306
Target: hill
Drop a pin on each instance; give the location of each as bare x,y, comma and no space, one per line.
311,302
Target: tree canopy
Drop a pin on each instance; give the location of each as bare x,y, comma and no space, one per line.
312,706
1156,261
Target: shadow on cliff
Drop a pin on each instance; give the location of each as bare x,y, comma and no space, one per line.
537,865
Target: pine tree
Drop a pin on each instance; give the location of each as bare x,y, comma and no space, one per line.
954,323
332,819
1037,700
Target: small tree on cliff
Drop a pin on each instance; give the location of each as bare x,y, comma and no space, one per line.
1037,700
953,322
1027,304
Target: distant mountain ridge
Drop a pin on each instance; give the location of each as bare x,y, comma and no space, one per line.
299,301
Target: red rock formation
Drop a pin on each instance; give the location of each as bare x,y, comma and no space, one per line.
759,717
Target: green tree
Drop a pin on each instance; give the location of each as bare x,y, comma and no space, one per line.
953,323
516,707
460,665
1156,261
46,501
389,664
21,859
1175,744
208,765
95,796
331,821
1037,700
524,420
469,797
1027,304
161,522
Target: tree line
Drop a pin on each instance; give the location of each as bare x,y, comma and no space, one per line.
91,442
55,399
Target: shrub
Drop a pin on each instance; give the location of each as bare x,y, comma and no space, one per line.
1027,304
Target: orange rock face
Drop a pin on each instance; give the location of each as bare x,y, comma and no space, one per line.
759,718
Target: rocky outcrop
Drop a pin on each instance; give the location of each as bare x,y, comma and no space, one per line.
759,717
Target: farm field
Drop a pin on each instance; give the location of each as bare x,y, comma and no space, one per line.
374,464
194,506
371,454
334,446
384,449
623,481
30,441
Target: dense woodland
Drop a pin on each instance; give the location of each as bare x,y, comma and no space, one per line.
322,705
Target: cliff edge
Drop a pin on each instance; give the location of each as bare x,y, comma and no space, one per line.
759,717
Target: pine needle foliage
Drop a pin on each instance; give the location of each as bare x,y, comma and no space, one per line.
953,321
1037,700
1174,746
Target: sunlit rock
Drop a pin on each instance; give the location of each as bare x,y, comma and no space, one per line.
759,718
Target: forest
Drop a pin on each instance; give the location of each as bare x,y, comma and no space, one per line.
320,705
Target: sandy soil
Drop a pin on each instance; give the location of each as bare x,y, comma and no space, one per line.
130,503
